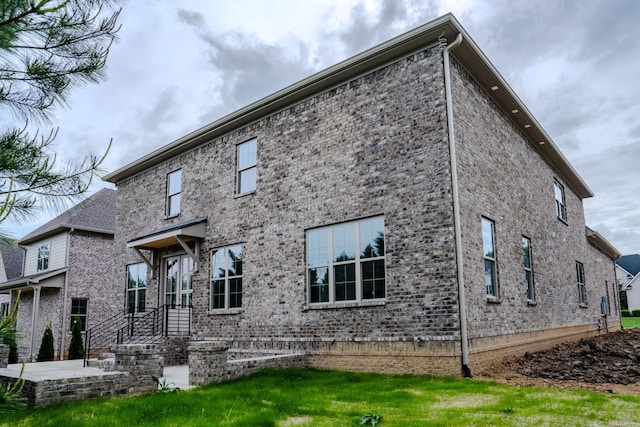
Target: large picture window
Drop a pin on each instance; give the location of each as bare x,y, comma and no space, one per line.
247,158
174,190
345,262
136,287
43,257
226,277
79,312
489,255
561,208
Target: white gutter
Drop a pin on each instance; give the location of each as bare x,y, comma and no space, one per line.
456,208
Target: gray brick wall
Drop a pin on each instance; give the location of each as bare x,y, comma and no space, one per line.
503,178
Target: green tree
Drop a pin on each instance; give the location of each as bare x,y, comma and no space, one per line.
8,334
46,353
47,47
76,348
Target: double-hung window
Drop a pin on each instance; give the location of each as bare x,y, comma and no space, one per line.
528,269
582,289
43,257
226,277
247,160
79,312
489,255
345,262
561,207
174,190
136,287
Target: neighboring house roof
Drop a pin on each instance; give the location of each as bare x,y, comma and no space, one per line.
444,29
33,279
11,257
96,213
631,263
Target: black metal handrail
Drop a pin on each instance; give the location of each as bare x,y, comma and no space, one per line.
138,328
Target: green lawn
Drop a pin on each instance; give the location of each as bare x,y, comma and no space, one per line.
631,322
308,397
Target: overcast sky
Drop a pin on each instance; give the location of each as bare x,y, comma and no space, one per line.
180,65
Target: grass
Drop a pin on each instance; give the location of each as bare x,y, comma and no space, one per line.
308,397
631,322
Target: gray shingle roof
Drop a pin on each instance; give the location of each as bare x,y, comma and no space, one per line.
11,256
631,263
97,213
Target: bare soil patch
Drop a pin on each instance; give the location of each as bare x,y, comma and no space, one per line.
609,363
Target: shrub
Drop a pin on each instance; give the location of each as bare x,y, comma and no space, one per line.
635,313
46,352
76,348
625,313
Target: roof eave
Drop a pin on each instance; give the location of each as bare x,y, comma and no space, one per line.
59,228
597,240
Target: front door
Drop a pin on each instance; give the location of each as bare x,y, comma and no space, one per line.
178,283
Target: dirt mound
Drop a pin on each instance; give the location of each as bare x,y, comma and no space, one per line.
609,362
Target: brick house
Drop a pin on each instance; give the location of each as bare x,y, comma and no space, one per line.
66,272
628,277
400,211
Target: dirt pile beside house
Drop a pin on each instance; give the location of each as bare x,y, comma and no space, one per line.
609,362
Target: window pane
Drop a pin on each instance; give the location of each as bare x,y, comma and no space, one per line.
174,205
174,182
247,180
526,252
217,294
345,280
131,301
187,283
529,284
235,260
373,280
487,238
344,242
372,237
318,247
319,284
247,154
489,277
141,300
218,263
235,293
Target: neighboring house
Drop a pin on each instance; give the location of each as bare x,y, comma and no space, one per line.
66,273
10,268
400,211
628,275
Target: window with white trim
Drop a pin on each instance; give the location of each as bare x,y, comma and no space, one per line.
582,289
136,287
4,309
489,255
43,257
247,160
174,190
528,268
345,262
79,312
561,207
226,277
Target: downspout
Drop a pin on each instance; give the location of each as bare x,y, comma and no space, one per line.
466,370
64,297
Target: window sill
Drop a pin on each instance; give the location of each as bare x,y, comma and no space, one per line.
562,220
171,216
532,303
494,300
353,304
248,193
224,311
584,305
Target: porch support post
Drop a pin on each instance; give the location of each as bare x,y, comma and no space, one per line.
35,318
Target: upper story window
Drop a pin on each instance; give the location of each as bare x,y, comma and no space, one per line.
489,255
345,262
136,287
43,257
174,188
247,159
226,277
79,312
528,268
561,207
582,289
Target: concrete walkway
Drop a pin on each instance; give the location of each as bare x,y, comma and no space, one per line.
41,371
